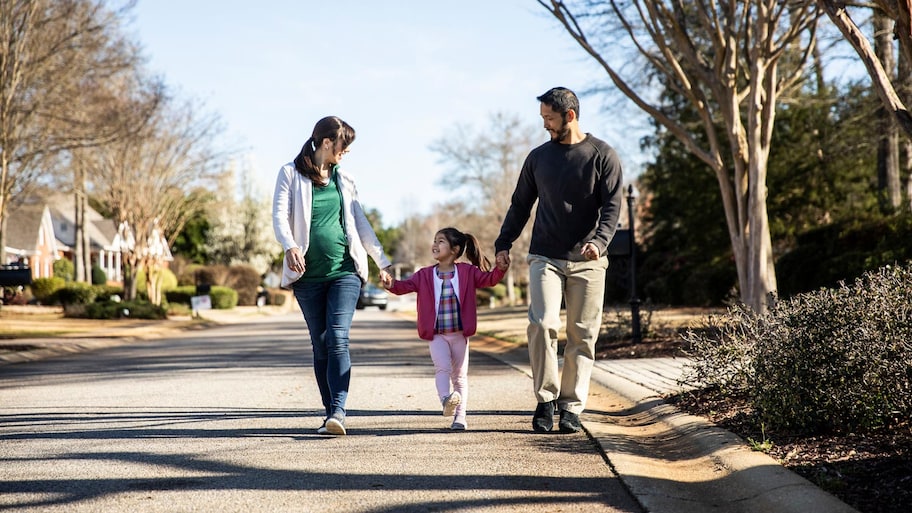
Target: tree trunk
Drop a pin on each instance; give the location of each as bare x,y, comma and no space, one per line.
2,237
81,245
888,180
904,71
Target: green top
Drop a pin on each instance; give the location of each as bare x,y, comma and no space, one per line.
327,256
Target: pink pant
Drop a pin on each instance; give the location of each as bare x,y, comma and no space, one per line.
450,353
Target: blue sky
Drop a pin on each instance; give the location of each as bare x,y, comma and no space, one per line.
400,72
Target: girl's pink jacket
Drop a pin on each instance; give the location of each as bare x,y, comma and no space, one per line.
469,278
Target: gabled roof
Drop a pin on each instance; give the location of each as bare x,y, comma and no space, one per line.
23,226
101,231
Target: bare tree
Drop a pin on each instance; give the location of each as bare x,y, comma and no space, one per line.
415,236
146,180
54,54
881,73
486,163
241,230
730,61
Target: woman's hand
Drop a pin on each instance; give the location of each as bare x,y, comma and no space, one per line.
386,279
295,260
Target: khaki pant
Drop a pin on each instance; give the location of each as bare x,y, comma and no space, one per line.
581,285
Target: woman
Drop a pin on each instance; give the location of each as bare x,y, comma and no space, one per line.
318,219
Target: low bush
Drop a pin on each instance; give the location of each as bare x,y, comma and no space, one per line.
245,280
277,297
76,293
43,289
833,359
223,298
122,310
107,292
181,295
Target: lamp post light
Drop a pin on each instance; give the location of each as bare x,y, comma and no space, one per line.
634,300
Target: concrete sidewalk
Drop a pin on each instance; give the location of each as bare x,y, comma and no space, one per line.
671,462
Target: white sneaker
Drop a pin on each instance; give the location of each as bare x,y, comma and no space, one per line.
450,403
322,429
335,425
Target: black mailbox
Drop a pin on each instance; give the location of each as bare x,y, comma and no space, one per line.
620,244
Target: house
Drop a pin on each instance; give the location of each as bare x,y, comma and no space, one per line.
42,231
30,238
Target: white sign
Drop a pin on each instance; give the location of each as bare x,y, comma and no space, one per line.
201,303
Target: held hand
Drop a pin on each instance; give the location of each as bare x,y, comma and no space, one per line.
502,259
386,279
295,260
590,251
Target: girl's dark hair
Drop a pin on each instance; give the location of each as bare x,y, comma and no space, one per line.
468,244
330,127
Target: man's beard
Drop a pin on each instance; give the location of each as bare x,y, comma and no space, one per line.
561,133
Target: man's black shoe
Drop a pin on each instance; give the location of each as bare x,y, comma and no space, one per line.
569,422
543,419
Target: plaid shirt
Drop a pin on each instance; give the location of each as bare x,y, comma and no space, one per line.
448,320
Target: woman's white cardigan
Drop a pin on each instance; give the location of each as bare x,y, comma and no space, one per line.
291,216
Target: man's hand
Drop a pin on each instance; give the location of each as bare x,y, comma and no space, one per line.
590,251
502,259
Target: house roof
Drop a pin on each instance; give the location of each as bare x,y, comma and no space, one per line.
101,231
23,225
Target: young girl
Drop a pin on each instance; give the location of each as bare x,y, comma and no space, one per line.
446,312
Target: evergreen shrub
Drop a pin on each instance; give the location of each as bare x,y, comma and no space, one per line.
106,292
63,268
122,310
181,294
76,293
44,289
99,276
835,359
223,298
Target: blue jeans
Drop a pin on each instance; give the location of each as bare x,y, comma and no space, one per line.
328,309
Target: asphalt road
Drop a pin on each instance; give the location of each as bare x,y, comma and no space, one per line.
224,420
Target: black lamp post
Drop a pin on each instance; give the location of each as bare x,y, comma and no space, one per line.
634,300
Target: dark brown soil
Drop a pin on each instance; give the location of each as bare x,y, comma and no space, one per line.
654,346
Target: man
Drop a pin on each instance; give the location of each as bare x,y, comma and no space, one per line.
577,181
